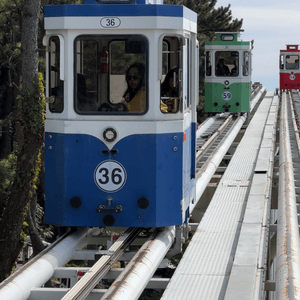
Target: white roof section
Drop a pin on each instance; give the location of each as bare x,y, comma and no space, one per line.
136,23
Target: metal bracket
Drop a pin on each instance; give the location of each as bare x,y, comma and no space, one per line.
102,208
177,245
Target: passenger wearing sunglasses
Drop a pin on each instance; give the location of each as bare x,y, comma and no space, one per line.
135,95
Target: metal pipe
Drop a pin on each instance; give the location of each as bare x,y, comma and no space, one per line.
216,159
205,125
40,271
256,98
133,280
288,248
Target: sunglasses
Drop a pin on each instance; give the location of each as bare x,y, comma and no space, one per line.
129,77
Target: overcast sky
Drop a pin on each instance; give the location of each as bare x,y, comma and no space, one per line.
271,24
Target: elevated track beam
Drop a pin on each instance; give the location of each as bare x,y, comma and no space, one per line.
288,249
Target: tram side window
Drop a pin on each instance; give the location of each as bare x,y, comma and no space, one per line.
292,62
87,75
111,74
281,62
246,64
171,87
165,57
56,86
208,63
227,63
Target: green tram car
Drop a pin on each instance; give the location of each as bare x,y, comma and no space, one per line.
227,73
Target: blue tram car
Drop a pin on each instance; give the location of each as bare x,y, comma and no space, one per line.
120,131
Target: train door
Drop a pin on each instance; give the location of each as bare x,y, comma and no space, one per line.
176,99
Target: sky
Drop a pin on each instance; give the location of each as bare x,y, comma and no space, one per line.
272,24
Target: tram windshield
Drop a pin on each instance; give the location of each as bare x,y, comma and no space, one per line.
227,63
111,75
292,62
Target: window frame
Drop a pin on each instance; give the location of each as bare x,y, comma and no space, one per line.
286,62
179,54
57,81
246,57
113,38
217,55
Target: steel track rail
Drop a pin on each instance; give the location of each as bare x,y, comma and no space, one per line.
212,139
288,246
82,289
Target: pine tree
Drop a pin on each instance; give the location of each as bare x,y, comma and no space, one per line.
30,116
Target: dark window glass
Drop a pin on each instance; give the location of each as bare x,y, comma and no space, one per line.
56,86
227,63
111,75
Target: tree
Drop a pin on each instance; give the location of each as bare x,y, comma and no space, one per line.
30,118
21,121
210,19
10,50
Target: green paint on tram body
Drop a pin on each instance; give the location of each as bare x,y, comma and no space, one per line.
233,98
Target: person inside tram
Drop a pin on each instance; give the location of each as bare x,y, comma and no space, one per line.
234,70
135,94
222,69
169,88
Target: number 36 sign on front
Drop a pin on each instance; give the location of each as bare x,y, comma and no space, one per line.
110,176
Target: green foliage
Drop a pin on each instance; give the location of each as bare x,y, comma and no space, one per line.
10,37
120,60
7,173
154,296
45,231
24,232
32,104
176,258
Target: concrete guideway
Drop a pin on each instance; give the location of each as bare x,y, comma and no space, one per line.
219,252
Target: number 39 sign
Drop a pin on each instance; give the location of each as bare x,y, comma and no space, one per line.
110,176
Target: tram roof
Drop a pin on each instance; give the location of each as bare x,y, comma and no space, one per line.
108,10
291,48
226,38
